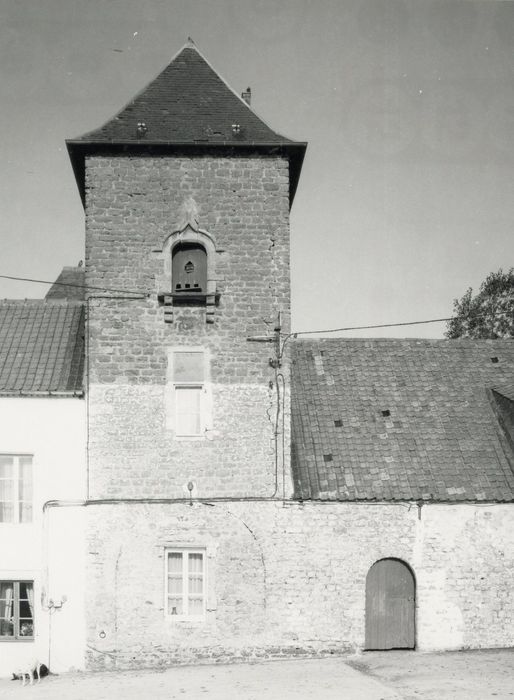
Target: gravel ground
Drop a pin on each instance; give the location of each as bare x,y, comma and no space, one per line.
459,675
325,679
393,675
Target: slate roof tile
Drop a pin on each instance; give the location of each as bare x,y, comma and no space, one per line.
41,347
187,105
447,438
187,102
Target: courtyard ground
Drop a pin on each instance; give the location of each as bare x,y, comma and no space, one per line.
371,676
458,675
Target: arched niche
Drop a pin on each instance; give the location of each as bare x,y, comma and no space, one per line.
189,260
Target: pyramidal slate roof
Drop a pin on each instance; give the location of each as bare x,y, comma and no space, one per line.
41,347
188,104
69,285
419,420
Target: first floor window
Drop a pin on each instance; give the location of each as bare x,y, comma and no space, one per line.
16,610
188,410
189,379
185,579
15,488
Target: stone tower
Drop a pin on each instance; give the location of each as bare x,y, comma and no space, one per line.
187,195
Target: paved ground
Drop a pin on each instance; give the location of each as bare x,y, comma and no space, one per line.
473,675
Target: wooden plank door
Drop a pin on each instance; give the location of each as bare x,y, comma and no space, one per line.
390,604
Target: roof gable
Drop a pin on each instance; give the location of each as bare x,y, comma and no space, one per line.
393,420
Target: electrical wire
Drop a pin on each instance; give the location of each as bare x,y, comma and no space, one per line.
145,294
80,286
378,325
287,336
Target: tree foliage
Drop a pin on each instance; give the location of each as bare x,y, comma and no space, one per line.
488,314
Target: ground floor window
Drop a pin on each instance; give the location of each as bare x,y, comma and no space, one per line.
185,583
16,610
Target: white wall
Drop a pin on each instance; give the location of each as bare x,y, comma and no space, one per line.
52,430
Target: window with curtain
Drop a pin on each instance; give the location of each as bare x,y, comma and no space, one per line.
16,610
188,381
185,580
15,488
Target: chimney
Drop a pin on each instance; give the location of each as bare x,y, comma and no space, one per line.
247,95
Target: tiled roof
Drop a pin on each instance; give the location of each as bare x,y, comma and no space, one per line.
41,347
403,419
187,104
61,289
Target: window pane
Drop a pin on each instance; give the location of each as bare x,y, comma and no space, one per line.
6,489
196,606
6,466
25,478
25,609
26,628
6,512
188,402
6,590
6,608
25,512
175,563
6,628
175,606
175,585
195,562
188,367
195,585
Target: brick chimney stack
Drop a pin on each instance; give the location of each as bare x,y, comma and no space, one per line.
247,95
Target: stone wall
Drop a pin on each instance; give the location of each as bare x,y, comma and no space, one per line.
132,205
289,578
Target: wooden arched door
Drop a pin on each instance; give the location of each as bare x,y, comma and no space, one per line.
390,606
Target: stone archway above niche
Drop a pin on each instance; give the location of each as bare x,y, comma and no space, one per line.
170,294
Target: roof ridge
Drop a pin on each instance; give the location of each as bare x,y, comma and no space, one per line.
43,300
447,341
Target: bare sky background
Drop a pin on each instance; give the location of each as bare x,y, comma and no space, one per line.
406,196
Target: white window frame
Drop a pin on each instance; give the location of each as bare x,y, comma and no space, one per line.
16,501
16,620
174,387
199,389
185,552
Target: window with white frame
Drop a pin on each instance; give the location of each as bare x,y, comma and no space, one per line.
15,488
16,610
185,583
189,389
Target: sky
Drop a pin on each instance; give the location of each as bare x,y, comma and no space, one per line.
406,195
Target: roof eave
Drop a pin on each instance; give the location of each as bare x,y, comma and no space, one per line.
79,149
21,393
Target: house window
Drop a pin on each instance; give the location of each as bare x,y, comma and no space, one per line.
185,583
188,382
15,488
189,269
16,610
